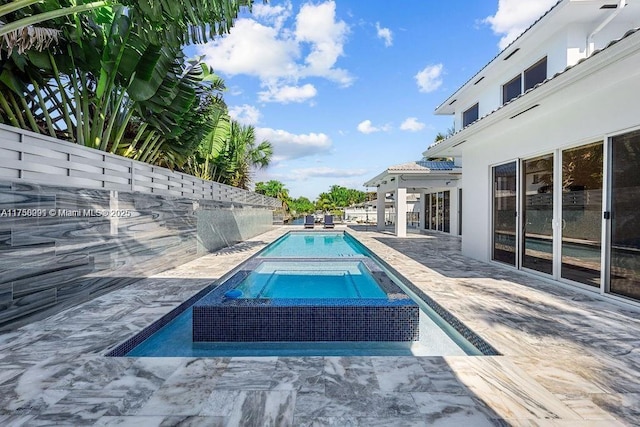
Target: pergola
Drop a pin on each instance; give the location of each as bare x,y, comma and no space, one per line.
423,177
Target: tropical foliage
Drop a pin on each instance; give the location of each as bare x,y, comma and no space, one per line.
339,197
230,152
332,201
301,206
112,75
275,189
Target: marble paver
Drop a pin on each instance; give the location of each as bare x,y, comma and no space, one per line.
570,358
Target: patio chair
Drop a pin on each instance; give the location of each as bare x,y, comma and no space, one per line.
328,221
309,221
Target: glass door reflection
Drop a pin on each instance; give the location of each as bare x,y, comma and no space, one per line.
582,214
624,277
504,213
537,233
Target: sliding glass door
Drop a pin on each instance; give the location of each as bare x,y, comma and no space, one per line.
582,214
624,277
547,214
537,210
505,213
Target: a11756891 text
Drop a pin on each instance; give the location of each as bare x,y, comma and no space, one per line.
63,213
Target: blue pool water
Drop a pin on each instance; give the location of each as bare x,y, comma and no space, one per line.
314,245
310,280
275,277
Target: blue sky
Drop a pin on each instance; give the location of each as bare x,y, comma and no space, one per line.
345,88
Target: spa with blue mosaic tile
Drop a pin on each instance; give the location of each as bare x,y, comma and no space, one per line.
219,318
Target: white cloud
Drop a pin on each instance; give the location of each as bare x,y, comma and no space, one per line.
281,55
276,15
288,146
515,16
412,124
245,114
384,34
368,127
325,172
287,94
251,48
430,78
317,25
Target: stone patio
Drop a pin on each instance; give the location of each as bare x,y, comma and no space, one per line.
570,358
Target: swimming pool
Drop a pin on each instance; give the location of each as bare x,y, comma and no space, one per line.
314,244
177,335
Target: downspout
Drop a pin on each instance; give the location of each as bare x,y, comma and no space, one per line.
621,4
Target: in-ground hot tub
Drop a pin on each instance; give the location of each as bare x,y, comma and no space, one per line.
319,300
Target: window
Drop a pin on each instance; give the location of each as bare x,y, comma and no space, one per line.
470,116
511,89
533,75
537,73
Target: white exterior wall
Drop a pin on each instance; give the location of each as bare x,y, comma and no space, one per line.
601,104
564,48
489,96
576,46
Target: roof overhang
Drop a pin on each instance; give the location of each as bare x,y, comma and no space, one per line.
542,96
563,13
392,179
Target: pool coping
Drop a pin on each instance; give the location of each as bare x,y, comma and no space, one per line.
467,333
473,338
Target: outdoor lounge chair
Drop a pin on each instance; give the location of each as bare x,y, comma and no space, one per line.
328,221
309,221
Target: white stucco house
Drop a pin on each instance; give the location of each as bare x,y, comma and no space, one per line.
367,212
433,183
548,133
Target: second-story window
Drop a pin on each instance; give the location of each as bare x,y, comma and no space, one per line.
535,74
470,116
511,89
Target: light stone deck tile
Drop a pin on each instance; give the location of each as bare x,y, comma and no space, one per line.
252,373
16,421
186,391
300,374
508,391
7,374
587,409
263,408
512,422
221,403
450,410
127,421
570,358
401,374
624,407
562,376
366,403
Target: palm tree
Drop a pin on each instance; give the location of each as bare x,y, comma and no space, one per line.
326,202
233,161
275,189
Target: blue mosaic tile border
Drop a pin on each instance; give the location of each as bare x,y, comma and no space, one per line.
262,323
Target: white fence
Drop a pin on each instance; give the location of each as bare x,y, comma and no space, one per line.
30,157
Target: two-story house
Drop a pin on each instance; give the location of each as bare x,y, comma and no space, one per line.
549,136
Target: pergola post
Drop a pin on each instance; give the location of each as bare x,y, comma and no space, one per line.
422,210
380,209
401,212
